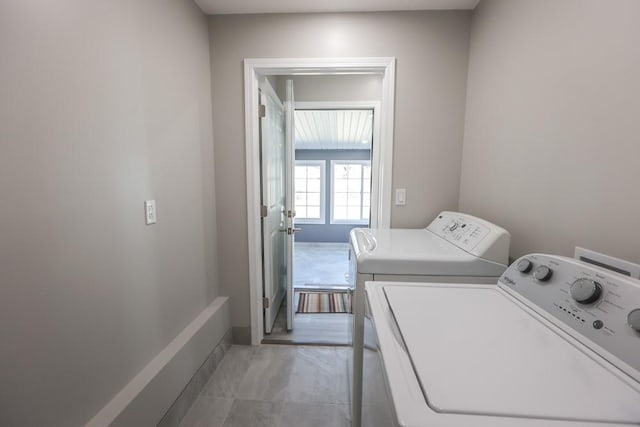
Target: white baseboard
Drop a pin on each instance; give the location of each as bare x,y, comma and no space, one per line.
153,390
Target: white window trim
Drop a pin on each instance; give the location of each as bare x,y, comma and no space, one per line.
323,198
347,221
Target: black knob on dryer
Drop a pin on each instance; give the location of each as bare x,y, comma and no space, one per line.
524,265
542,273
585,291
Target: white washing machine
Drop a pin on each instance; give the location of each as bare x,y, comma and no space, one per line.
454,248
555,344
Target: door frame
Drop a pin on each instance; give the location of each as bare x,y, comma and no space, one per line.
254,68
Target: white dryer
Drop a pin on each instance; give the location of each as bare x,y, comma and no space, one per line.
454,248
555,344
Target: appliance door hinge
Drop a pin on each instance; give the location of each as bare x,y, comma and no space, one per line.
265,302
262,111
263,211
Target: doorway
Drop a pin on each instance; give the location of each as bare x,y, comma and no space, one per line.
379,169
332,195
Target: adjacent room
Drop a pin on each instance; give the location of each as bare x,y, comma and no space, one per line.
223,213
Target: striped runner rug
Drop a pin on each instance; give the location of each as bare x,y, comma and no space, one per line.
324,302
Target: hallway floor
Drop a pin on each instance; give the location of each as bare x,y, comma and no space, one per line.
275,386
320,265
312,328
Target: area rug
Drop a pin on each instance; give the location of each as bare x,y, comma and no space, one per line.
324,302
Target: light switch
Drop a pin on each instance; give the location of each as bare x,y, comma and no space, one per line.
150,211
401,196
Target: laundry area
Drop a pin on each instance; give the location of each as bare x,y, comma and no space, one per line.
219,213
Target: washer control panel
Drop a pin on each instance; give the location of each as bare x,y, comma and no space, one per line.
473,235
599,305
462,231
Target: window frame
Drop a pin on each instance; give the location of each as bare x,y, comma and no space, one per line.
333,198
323,198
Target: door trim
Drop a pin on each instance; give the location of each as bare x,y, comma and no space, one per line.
254,68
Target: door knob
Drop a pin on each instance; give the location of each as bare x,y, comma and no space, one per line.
290,230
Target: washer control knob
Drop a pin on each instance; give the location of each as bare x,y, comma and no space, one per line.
586,291
524,265
453,225
542,273
634,319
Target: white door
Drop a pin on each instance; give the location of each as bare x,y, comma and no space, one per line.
274,221
291,213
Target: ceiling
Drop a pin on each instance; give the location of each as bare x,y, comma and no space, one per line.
214,7
333,129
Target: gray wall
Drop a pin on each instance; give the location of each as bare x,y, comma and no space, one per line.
328,232
551,138
432,52
104,105
365,87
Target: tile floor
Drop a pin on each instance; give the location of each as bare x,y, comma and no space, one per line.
311,328
323,265
316,266
275,386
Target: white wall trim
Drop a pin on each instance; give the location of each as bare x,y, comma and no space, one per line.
146,398
257,67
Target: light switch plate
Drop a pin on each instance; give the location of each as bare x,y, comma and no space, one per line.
150,212
401,196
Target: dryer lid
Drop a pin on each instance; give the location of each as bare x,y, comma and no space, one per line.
476,351
415,252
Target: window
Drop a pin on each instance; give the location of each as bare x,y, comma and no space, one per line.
309,191
351,191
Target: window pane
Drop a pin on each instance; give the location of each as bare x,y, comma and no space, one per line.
351,191
340,199
355,171
366,172
313,172
300,172
340,213
354,185
313,212
340,185
308,187
313,199
353,212
300,185
313,185
353,199
340,172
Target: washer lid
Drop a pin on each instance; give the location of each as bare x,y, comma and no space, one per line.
476,351
415,252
